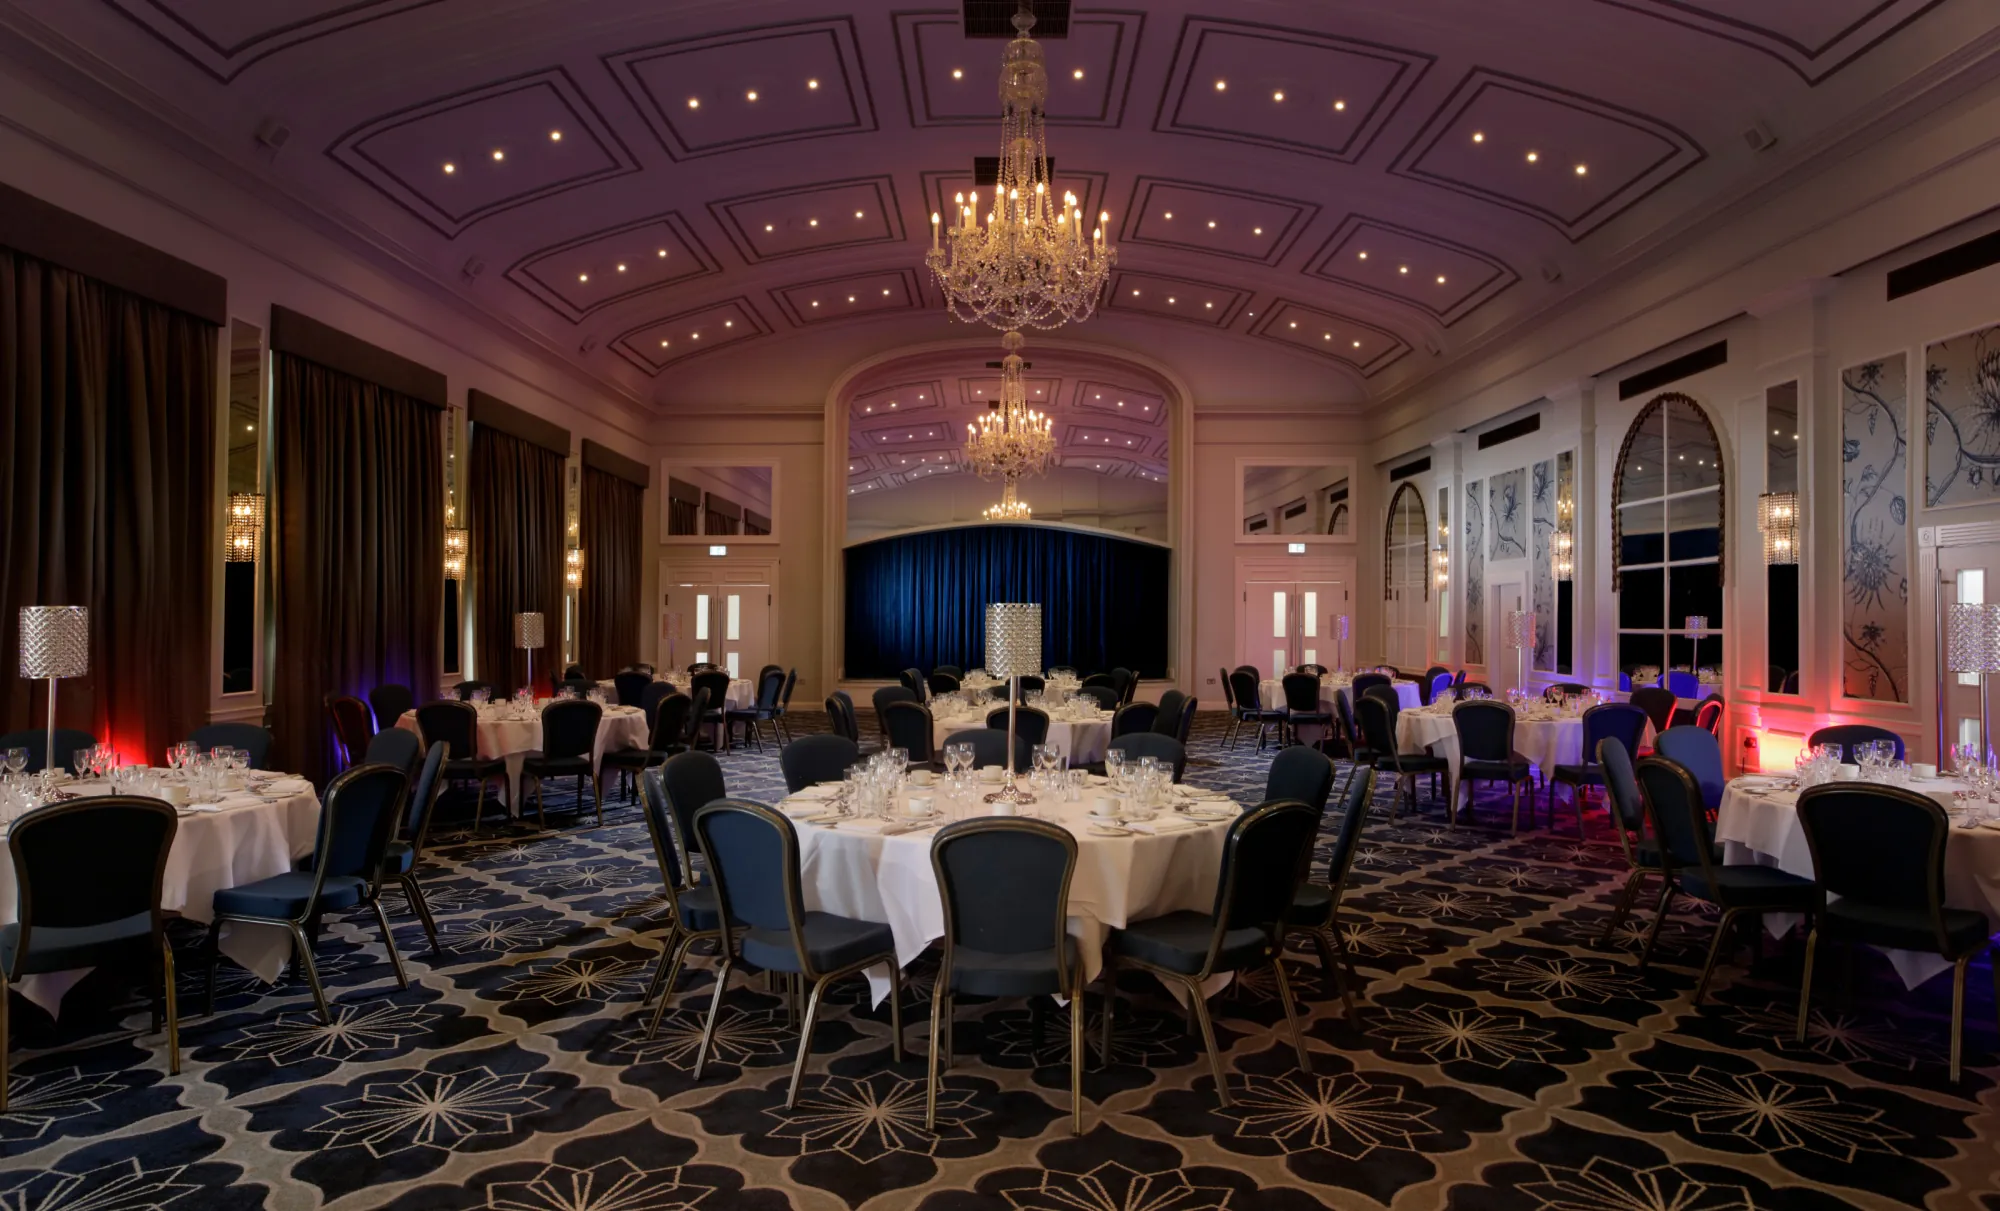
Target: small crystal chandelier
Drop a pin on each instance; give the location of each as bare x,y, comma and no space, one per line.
1009,508
1030,265
1562,544
573,567
1778,520
245,530
454,540
1012,439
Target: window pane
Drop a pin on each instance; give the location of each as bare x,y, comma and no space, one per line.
1637,653
701,617
1278,614
735,618
1695,589
1641,477
1692,458
1641,598
1311,622
1695,526
1642,534
1782,594
452,626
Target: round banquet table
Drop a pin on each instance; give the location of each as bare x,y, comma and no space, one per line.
246,837
1758,822
880,870
506,733
1082,740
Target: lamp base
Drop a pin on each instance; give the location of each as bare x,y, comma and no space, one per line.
1010,794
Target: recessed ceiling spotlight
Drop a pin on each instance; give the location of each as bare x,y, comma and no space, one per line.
1169,214
621,268
850,298
769,227
958,73
812,222
663,254
815,302
694,336
1135,294
1077,74
1582,169
1222,86
498,154
1211,223
1326,336
664,344
885,294
1170,299
555,136
1363,254
1256,231
1478,136
812,83
859,214
694,102
582,277
1278,96
751,95
729,323
1295,323
1534,156
1210,306
1440,279
1357,344
1340,105
450,168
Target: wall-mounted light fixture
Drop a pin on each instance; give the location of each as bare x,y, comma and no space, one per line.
1778,522
245,532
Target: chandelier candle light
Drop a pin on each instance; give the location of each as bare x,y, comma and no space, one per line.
528,636
1013,649
55,643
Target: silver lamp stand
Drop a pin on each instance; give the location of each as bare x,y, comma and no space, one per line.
55,643
1013,647
528,635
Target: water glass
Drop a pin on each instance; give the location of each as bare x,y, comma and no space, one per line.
16,760
1114,767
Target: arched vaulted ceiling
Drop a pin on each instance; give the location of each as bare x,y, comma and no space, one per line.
728,203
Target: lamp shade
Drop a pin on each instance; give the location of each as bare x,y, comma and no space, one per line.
55,641
1013,639
528,631
1521,629
1972,639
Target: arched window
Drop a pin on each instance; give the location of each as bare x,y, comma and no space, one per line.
1407,585
1668,501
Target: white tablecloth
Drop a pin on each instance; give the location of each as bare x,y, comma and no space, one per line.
742,692
1272,693
854,872
1548,742
1083,741
505,735
1764,828
211,851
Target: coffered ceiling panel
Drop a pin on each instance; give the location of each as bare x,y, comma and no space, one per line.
979,390
951,80
1361,345
1174,298
463,157
580,276
222,37
805,219
923,399
1292,89
847,298
749,88
1814,39
1570,160
657,344
897,441
1215,220
1445,279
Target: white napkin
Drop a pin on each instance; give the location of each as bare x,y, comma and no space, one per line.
1162,825
202,807
884,828
800,805
287,786
822,790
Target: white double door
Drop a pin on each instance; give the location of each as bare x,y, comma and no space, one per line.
1287,623
726,623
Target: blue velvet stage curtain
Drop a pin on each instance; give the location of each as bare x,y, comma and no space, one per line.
919,600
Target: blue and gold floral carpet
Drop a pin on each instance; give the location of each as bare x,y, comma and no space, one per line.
1502,1061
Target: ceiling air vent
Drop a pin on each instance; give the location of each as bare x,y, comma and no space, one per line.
1953,262
995,18
1708,357
986,170
1531,423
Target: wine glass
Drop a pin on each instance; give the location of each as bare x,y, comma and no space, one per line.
17,760
1114,767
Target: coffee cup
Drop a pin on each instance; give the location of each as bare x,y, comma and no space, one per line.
1924,769
917,805
920,777
1104,807
1849,771
991,773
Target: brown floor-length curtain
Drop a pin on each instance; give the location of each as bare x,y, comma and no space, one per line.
358,547
608,603
107,451
516,520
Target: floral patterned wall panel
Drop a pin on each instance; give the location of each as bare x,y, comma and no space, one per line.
1510,514
1475,575
1542,575
1875,622
1962,419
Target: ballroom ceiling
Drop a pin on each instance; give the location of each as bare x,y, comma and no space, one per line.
728,203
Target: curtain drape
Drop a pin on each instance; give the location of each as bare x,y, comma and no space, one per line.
919,600
608,604
516,520
357,548
107,441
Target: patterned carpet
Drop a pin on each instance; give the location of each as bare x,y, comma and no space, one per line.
1502,1062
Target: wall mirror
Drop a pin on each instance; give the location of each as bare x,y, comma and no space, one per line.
1290,502
709,501
243,472
1778,518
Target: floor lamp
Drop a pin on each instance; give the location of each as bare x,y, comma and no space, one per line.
1013,649
528,636
1521,637
1973,646
55,643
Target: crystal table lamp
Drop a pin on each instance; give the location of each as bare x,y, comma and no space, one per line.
1521,637
1972,645
528,636
55,643
1013,649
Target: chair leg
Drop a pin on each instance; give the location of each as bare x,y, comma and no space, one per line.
1076,1055
1514,788
479,808
1200,1007
1329,938
660,968
669,974
302,948
1292,1013
422,907
541,811
213,945
389,941
1110,976
1714,951
1958,1012
597,796
4,994
806,1039
1659,918
173,1010
937,1047
1805,985
714,1009
1624,908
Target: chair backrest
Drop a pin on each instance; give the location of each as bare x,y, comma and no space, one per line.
665,834
1097,679
702,666
1127,682
942,683
574,672
68,740
640,666
791,683
1708,717
1621,784
1300,772
1264,859
1228,691
569,727
1317,670
423,798
950,670
249,737
84,862
1243,684
398,746
989,747
1301,692
1561,690
1485,730
390,703
888,694
810,760
1847,735
716,682
454,722
1105,696
1362,681
1658,704
909,727
1458,679
1621,721
1377,733
1031,723
1354,816
1386,695
1187,720
1880,846
840,716
1031,684
1681,683
1435,680
1673,807
1005,886
465,689
632,686
1134,717
1152,744
913,681
1167,716
670,721
753,860
1700,754
360,815
697,707
692,781
353,723
770,688
656,692
1791,685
